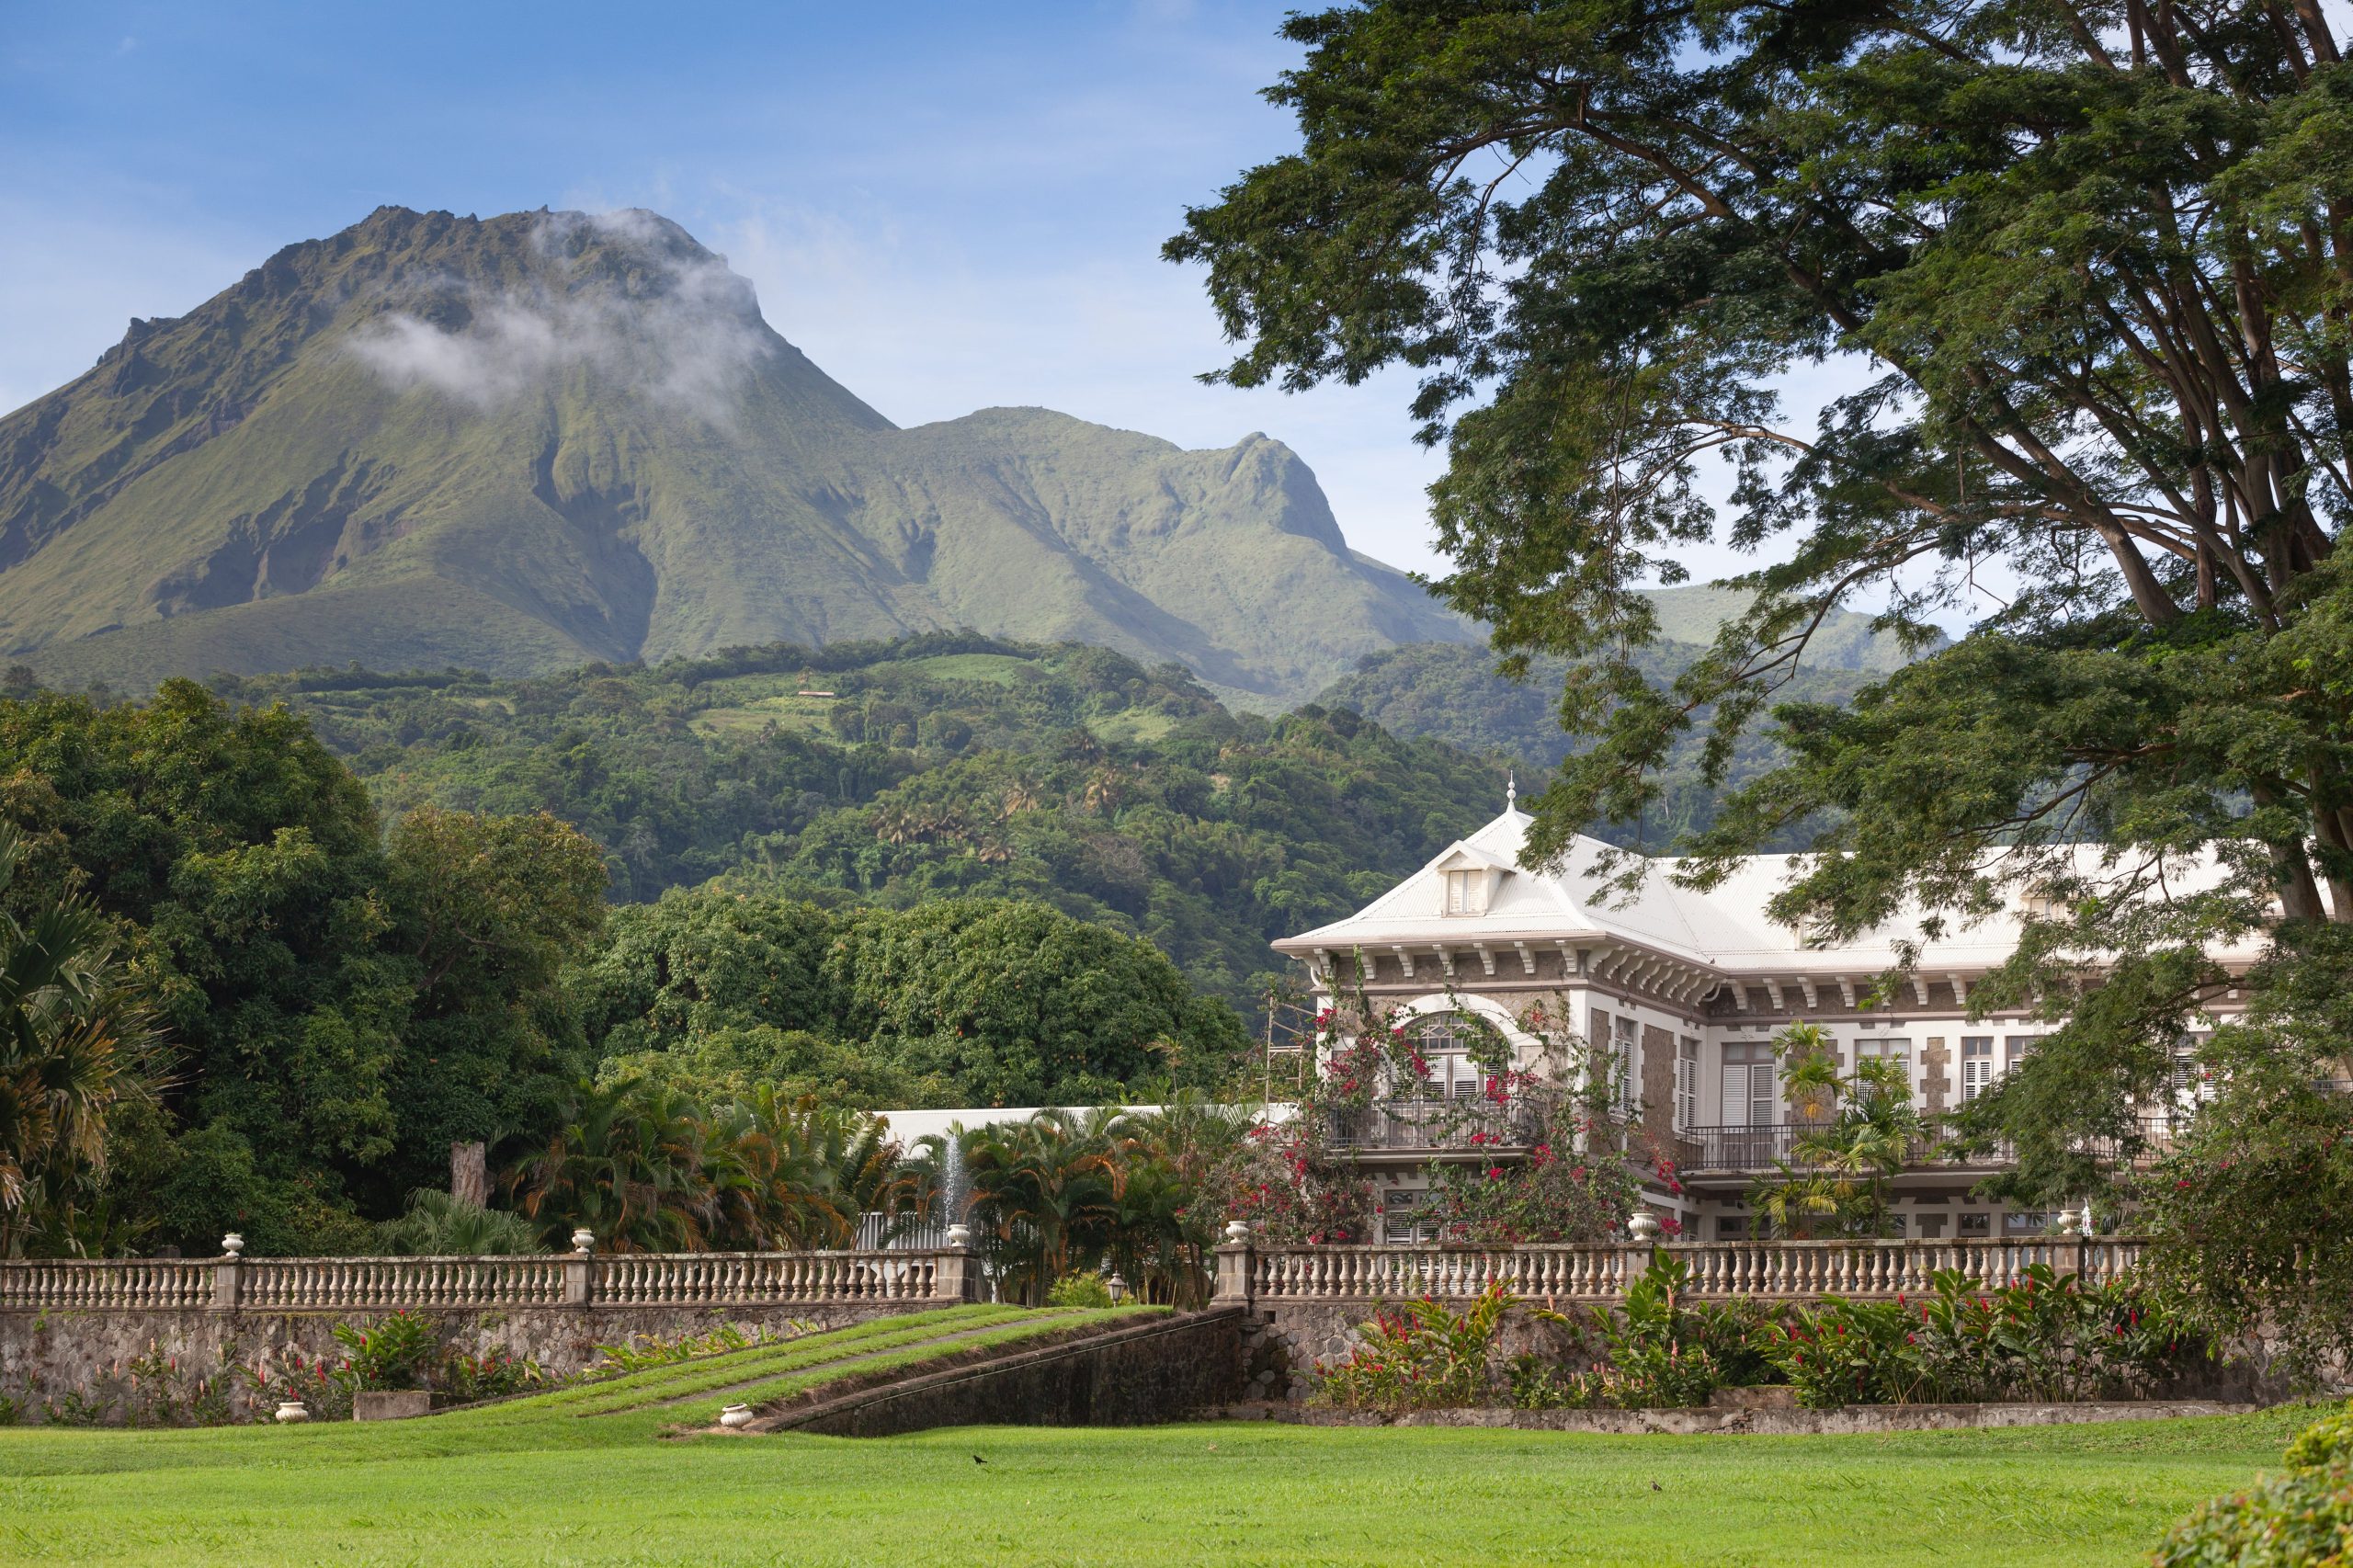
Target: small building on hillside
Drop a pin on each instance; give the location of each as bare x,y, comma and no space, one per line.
1680,994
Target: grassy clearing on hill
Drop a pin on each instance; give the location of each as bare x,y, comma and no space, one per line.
518,1483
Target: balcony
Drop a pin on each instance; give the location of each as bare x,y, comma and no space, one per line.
1746,1150
1442,1127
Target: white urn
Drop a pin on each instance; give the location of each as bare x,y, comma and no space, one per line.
1643,1226
735,1417
290,1411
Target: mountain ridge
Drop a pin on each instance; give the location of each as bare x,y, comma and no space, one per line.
539,439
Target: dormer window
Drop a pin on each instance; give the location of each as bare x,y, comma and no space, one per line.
1460,893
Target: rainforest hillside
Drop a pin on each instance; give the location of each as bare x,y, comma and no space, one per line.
892,773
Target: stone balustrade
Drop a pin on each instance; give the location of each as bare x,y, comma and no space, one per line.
232,1283
1601,1272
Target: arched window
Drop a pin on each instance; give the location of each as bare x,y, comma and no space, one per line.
1448,1041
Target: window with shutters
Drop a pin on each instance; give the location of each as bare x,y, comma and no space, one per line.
1623,1060
2015,1049
1748,1089
1460,892
2193,1081
1976,1065
1686,1084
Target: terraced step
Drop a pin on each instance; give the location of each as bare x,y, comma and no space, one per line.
1095,1374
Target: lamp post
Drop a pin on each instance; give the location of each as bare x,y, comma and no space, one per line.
1118,1286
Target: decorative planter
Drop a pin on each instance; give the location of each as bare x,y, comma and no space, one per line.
735,1417
293,1410
391,1405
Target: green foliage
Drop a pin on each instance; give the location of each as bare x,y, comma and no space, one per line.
338,1009
1860,1130
437,1225
2239,1206
75,1058
1424,1357
1658,1352
2053,238
396,1351
1452,692
958,1001
1206,832
2042,1337
2303,1518
1083,1289
644,1167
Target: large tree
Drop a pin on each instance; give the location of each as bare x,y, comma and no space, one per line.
2089,266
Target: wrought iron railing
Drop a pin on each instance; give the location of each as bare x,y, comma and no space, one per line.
1796,1144
1441,1125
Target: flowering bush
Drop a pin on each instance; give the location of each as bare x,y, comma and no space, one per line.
1424,1357
2042,1337
394,1352
2304,1516
1658,1352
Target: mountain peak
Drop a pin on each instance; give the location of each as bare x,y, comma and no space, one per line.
541,437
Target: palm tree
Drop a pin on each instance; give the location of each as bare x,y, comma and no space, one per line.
1165,1224
1045,1193
1862,1130
75,1046
439,1225
796,1174
630,1162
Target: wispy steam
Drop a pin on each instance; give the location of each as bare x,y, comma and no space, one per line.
631,298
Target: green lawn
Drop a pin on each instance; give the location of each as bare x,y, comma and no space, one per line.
547,1481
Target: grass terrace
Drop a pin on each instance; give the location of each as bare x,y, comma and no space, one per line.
517,1482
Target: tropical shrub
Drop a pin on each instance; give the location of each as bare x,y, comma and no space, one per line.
1657,1351
1087,1289
1839,1178
396,1351
439,1225
2233,1210
2043,1337
2303,1518
1423,1356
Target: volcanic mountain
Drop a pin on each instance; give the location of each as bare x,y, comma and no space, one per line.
528,441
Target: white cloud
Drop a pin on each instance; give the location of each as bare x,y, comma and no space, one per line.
685,328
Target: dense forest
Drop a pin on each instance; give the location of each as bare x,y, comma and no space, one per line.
889,773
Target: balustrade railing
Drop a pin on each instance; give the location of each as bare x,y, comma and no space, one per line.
644,1280
294,1284
1601,1272
107,1282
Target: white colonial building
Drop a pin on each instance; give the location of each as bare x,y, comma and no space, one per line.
1681,992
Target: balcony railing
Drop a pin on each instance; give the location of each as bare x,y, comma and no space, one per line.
1440,1126
1765,1146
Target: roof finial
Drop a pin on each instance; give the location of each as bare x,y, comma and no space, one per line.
1511,792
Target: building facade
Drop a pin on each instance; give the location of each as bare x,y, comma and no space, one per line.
1680,994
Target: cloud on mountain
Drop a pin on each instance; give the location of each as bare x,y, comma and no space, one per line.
627,295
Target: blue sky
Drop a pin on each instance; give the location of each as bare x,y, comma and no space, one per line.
947,206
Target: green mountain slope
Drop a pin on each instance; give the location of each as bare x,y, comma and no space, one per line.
1451,692
895,774
523,442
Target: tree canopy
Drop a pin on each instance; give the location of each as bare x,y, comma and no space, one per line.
2090,266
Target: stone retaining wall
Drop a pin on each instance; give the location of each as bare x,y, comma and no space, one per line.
86,1354
1166,1369
1790,1422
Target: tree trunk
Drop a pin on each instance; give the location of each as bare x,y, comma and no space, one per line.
469,1174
